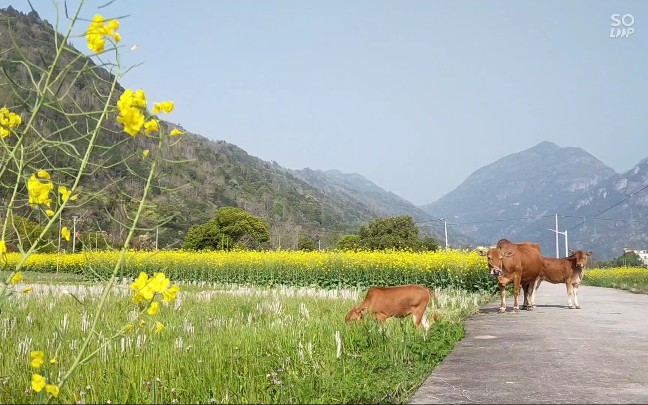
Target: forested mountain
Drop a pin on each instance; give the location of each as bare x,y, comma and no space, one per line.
205,174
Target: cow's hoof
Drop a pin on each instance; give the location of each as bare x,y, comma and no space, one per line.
502,310
577,307
516,310
530,308
570,307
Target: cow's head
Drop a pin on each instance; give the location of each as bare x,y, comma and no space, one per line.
495,258
580,258
355,314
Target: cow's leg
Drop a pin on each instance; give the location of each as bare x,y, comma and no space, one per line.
502,307
516,292
534,288
420,318
570,294
575,287
525,288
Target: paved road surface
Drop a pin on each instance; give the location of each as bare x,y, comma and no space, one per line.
598,354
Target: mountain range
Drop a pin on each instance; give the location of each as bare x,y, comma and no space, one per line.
519,197
523,195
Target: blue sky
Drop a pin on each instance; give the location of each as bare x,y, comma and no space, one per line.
414,95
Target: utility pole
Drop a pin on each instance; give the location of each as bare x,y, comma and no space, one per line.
556,231
557,255
74,219
445,230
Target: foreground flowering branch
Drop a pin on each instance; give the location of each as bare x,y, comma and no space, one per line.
34,185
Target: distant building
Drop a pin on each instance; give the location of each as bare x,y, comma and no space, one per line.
643,254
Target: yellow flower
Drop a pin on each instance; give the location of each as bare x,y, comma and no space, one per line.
145,153
128,327
65,233
3,248
166,106
43,174
66,194
15,279
159,327
140,282
39,191
159,282
8,120
49,213
37,359
142,288
176,132
52,361
38,382
170,293
112,26
154,308
151,126
99,29
52,389
26,290
133,120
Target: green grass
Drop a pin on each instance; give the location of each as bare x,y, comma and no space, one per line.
225,345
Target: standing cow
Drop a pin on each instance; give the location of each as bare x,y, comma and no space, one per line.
569,270
398,301
520,263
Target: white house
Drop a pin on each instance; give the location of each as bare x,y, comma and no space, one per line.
643,254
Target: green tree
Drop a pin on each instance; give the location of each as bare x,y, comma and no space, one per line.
630,259
349,242
398,232
305,243
231,227
390,233
429,243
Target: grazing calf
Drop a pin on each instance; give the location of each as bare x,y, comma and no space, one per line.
569,270
398,301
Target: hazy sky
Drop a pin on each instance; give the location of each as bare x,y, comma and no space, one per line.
415,95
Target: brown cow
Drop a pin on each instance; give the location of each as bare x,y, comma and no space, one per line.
398,301
569,270
520,263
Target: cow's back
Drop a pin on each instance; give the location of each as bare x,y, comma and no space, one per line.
526,258
403,295
557,270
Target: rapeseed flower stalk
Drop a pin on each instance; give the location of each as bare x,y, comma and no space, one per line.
99,29
35,184
39,190
8,121
37,359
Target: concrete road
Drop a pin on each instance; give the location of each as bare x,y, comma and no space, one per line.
597,354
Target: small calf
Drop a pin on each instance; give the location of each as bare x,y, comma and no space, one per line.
398,301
